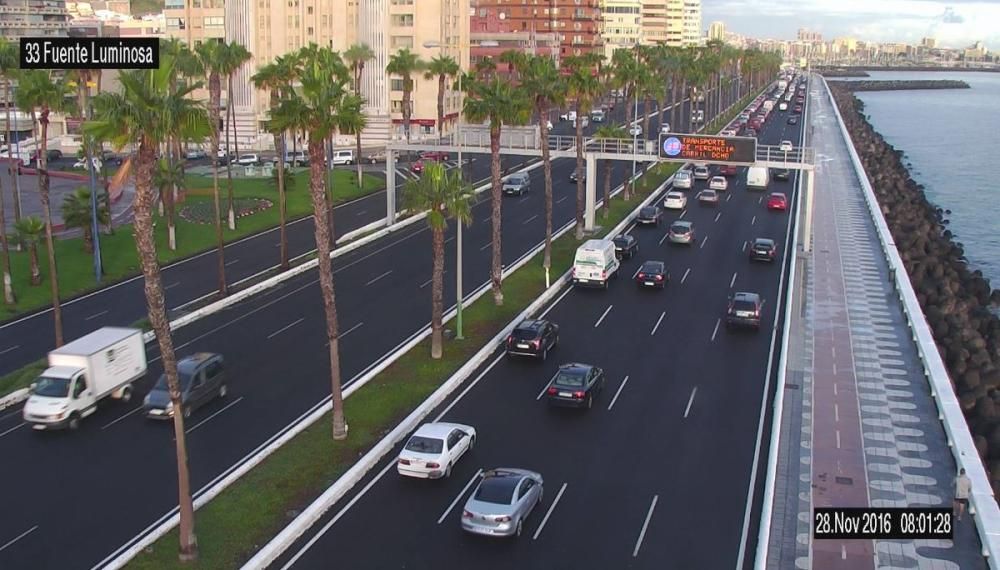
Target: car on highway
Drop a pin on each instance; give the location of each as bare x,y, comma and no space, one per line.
798,109
785,146
502,501
763,249
433,450
375,157
777,201
635,130
248,160
532,337
417,166
782,174
626,246
517,184
437,155
665,129
743,310
675,201
701,172
195,154
728,170
708,197
653,274
202,378
718,183
681,231
649,215
342,157
222,158
82,163
568,116
575,385
793,120
573,177
683,179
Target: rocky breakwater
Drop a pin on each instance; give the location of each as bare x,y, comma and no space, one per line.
956,299
908,85
842,72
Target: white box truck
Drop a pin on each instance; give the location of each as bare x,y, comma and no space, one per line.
769,105
595,263
758,178
80,374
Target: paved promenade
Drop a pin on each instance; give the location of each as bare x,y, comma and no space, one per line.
859,426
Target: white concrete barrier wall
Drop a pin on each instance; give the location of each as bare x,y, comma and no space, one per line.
982,502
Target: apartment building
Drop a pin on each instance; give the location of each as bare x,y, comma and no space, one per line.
671,22
19,18
577,23
622,25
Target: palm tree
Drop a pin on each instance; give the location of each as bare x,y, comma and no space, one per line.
210,57
610,132
497,101
444,195
313,107
29,232
232,56
442,67
584,85
39,89
77,213
405,63
185,64
352,120
356,56
9,69
147,113
545,86
8,282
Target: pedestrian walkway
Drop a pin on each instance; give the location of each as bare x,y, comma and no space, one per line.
859,427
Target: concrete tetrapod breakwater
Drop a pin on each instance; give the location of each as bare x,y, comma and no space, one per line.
956,299
900,85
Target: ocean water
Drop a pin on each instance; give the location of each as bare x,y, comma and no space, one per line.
950,140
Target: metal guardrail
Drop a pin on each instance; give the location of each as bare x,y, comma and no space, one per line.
982,501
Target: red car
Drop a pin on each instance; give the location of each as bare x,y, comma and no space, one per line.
777,201
798,109
434,155
727,170
417,166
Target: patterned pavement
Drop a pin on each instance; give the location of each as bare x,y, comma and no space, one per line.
853,372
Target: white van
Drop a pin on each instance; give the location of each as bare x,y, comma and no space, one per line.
758,178
597,115
595,263
341,157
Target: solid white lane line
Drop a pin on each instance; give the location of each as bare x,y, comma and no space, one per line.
228,263
204,421
658,321
426,283
285,328
423,228
753,221
120,418
529,220
705,239
460,495
11,349
91,317
716,331
744,246
690,401
20,425
733,280
620,388
686,273
548,513
556,302
486,246
171,286
645,525
379,277
606,311
470,386
18,537
717,216
561,199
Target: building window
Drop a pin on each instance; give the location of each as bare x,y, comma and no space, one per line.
402,2
309,10
397,106
398,42
309,31
402,20
214,22
396,85
173,4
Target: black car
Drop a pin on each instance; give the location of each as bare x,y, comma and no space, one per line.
743,310
50,155
763,249
575,385
649,215
782,174
653,274
533,338
626,246
793,120
573,177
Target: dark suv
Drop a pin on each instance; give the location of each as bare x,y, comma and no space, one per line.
763,249
202,377
743,310
533,338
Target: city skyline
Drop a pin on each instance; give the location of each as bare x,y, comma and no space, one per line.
956,24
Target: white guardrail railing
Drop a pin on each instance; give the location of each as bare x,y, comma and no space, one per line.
983,504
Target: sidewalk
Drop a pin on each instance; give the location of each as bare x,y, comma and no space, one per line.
859,426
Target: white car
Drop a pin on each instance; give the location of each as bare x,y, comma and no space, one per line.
675,201
665,129
785,146
635,130
548,125
568,116
82,163
701,173
195,153
682,179
718,183
433,450
248,159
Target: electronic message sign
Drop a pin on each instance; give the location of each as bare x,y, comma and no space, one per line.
704,148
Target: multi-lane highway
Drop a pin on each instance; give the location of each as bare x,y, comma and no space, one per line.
120,466
657,474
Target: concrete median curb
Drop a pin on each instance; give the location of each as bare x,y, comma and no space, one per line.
14,398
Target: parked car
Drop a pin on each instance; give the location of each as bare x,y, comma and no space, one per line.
683,179
437,155
743,310
375,157
649,215
575,385
763,249
777,201
701,173
50,155
653,274
782,174
568,116
681,232
728,170
433,450
502,501
626,246
342,157
533,337
517,184
248,160
202,378
785,146
665,129
708,197
718,183
222,158
195,154
294,158
417,166
675,201
635,130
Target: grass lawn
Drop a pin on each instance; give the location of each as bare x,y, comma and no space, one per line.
76,274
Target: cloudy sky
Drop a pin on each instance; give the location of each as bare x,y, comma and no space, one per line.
957,23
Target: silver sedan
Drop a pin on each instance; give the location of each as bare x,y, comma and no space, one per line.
502,500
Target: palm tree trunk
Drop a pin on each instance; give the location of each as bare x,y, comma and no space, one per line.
36,271
543,113
645,118
279,143
8,286
213,111
12,168
321,229
437,291
146,246
229,163
43,194
170,197
579,172
496,270
607,187
407,112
